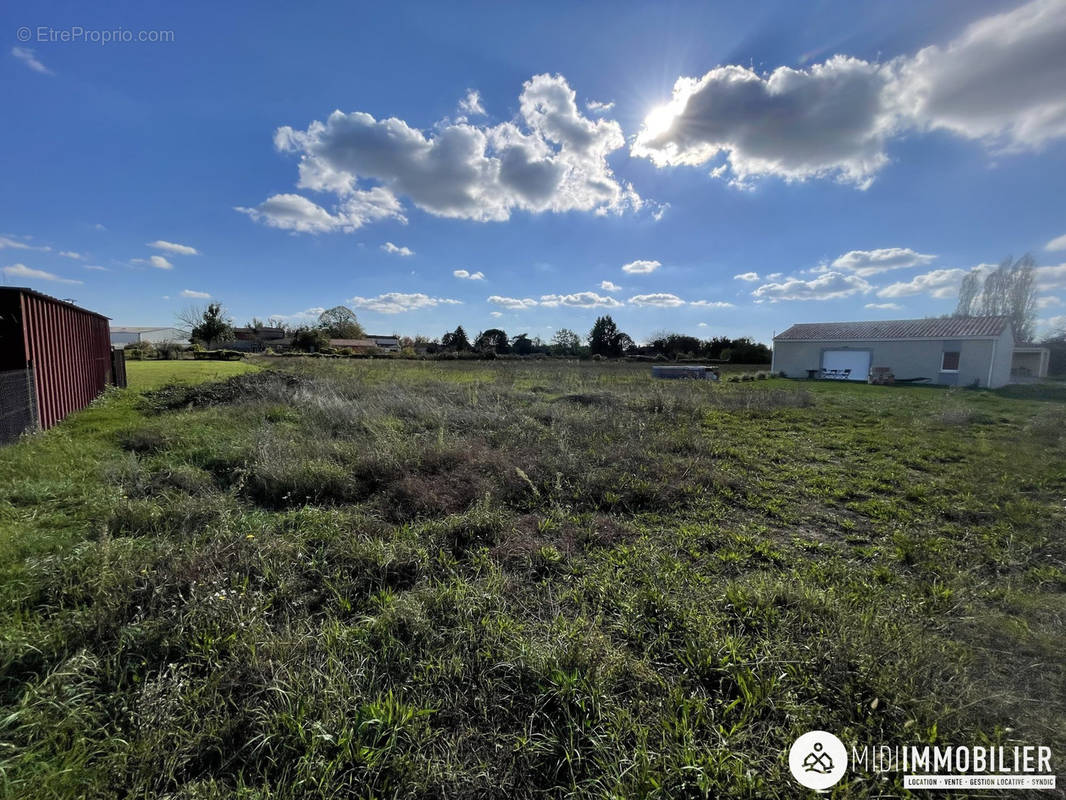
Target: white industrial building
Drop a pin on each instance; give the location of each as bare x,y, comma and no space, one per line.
122,335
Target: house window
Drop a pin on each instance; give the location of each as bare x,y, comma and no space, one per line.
950,361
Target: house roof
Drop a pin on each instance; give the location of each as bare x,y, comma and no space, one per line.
937,328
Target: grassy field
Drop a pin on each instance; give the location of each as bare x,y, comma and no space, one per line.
501,579
142,375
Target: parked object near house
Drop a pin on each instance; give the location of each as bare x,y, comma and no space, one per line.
881,376
682,372
55,358
1030,362
122,335
953,351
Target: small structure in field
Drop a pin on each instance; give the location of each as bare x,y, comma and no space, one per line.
55,358
685,372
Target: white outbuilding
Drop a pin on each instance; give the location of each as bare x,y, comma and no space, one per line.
954,351
122,335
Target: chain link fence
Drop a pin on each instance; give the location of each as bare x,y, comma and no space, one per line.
18,404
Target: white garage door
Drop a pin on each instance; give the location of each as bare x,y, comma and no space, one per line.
858,361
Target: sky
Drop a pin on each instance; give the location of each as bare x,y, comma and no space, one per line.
725,168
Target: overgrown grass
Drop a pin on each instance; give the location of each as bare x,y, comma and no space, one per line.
405,579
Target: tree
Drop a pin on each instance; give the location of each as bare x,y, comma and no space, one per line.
210,325
1007,291
340,322
605,339
522,345
310,340
969,289
565,342
493,340
456,340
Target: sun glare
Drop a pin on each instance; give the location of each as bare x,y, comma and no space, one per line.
659,120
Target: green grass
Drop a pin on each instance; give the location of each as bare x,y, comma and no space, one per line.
143,375
511,579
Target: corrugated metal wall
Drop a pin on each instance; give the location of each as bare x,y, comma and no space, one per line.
70,350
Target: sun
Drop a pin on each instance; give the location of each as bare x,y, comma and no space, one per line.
659,120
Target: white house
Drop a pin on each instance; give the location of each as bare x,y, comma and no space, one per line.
954,351
122,335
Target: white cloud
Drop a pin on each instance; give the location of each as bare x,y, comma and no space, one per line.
657,300
551,159
1048,301
293,212
389,247
1050,277
940,283
22,271
596,107
703,325
153,261
1058,243
609,286
828,286
467,275
471,104
191,293
397,302
747,276
1000,81
96,268
871,262
795,124
99,227
513,303
71,254
308,314
1053,323
15,244
884,306
177,249
640,267
26,56
495,313
579,300
711,304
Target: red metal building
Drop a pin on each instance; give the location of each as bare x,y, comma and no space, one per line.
53,355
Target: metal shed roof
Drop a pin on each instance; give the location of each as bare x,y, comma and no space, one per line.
49,298
939,328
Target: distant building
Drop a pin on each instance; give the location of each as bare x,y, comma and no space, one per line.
122,335
1030,361
256,340
953,351
390,344
358,345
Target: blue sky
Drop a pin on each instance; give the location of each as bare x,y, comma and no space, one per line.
711,168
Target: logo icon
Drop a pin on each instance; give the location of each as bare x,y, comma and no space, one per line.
818,760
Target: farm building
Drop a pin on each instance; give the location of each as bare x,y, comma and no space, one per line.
390,344
954,351
356,345
55,358
122,335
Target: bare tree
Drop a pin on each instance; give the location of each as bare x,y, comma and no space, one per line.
968,291
1007,291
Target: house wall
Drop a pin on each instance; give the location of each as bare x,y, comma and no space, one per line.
1031,363
909,358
